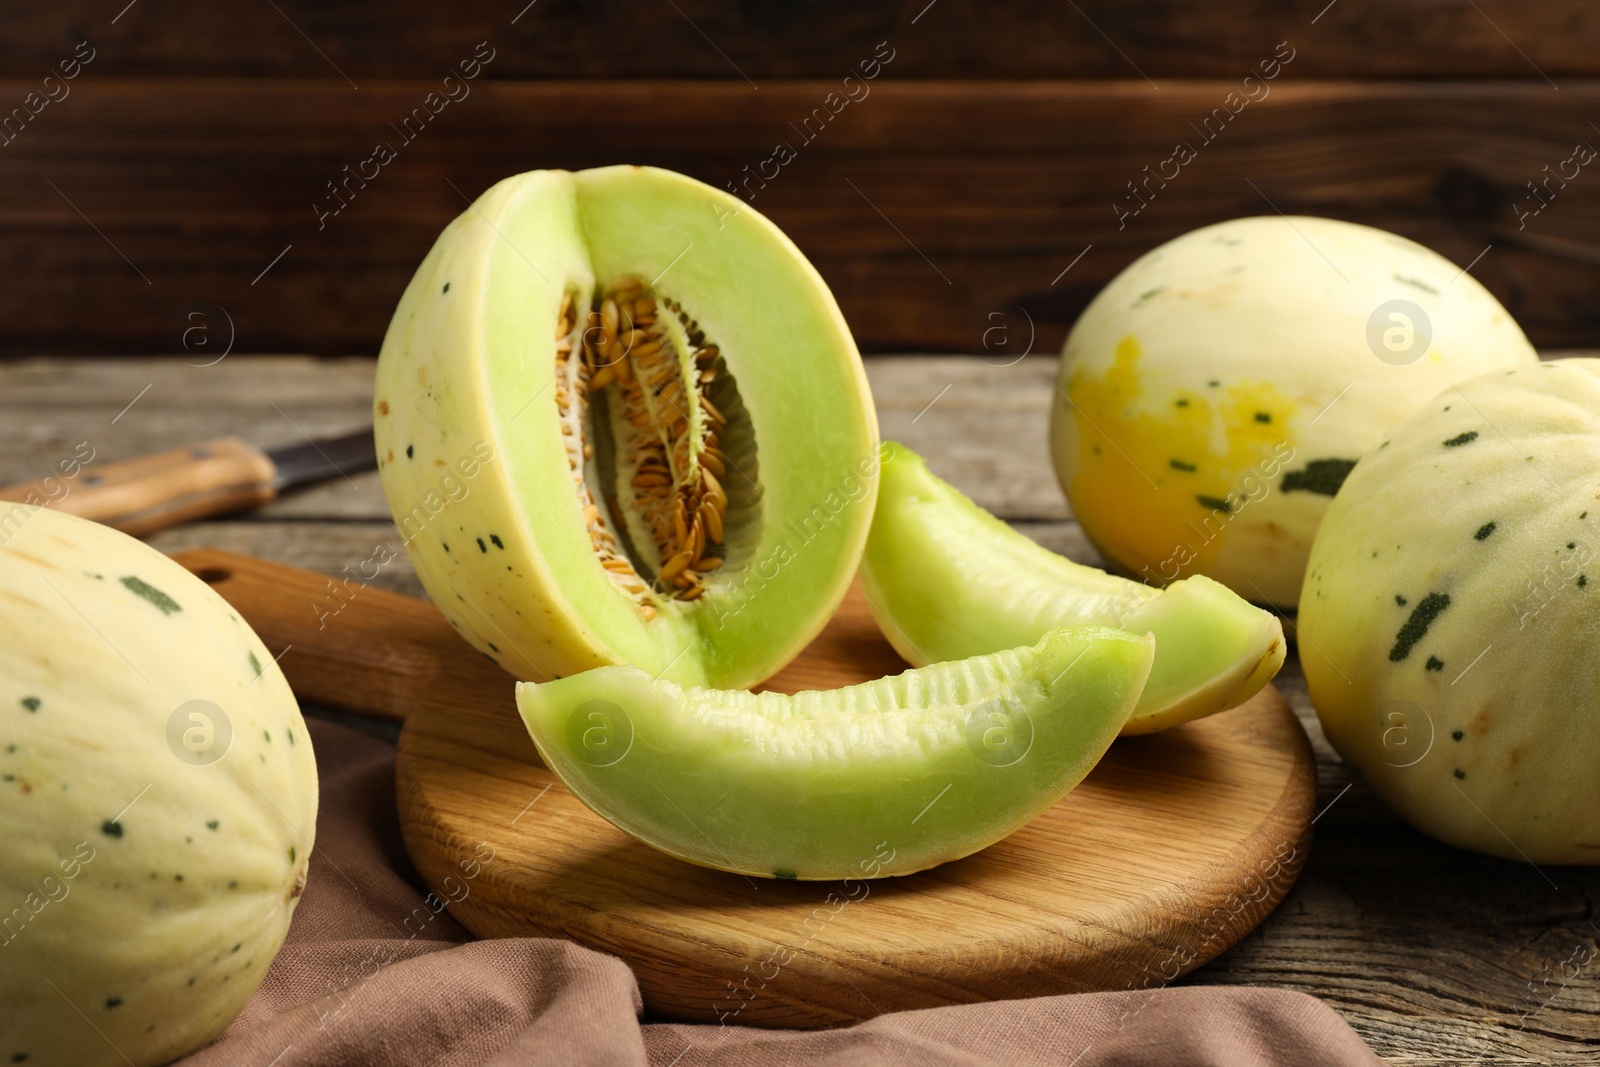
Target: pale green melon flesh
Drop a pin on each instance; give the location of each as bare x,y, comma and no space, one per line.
467,376
884,778
947,580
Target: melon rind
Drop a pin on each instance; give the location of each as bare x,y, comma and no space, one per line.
142,897
1449,618
1236,364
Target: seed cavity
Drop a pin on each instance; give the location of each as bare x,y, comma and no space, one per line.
659,447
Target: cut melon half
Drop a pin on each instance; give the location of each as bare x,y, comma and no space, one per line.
620,419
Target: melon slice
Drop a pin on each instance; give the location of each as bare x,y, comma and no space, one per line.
883,778
947,580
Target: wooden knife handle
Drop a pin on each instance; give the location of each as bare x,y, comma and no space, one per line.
352,646
138,496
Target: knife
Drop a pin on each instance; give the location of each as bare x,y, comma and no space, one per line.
139,496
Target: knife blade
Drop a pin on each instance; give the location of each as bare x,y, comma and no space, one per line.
149,493
316,460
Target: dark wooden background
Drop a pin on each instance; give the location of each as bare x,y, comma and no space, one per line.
986,158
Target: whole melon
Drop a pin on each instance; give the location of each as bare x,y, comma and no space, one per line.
1214,395
158,800
1450,620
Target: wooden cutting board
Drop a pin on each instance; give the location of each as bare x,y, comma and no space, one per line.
1177,845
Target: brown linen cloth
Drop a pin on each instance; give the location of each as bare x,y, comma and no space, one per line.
356,985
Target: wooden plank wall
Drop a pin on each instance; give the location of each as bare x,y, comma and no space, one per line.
186,165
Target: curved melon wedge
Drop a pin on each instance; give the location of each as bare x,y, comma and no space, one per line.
883,778
947,580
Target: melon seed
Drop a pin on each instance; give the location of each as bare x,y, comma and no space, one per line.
628,375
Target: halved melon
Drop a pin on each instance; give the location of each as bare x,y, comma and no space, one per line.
620,419
883,778
947,580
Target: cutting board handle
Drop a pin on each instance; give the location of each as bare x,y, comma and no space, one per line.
347,645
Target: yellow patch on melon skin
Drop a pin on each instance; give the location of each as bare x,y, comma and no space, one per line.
1127,490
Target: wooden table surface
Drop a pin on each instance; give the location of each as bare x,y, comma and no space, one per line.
1434,955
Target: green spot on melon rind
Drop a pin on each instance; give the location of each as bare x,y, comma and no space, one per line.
141,588
111,828
787,876
1180,465
1422,616
1322,476
1434,663
1424,286
1484,531
1215,503
1461,438
31,703
1456,735
255,664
